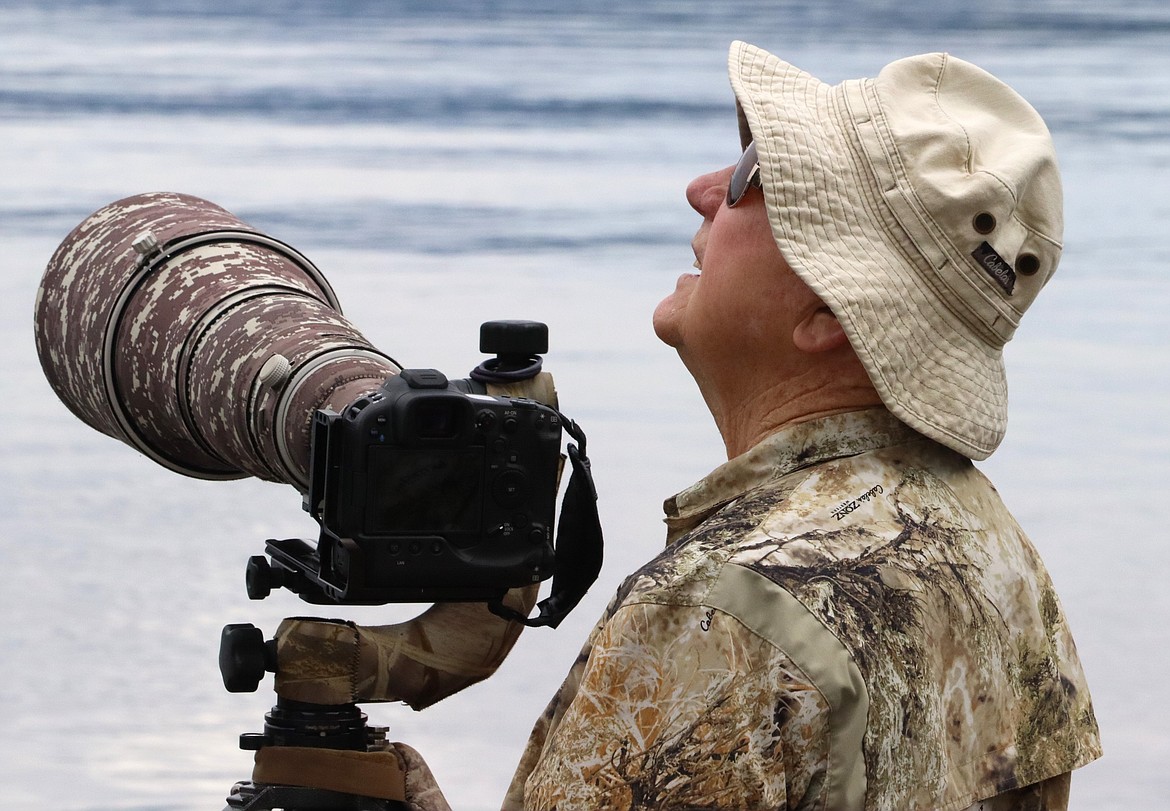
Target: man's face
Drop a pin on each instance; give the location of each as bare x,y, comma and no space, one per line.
743,300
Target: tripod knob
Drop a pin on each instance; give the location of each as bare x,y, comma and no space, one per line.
262,577
244,657
513,338
517,345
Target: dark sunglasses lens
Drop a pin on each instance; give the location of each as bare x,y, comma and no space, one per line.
746,174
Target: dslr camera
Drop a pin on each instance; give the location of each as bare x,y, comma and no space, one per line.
426,490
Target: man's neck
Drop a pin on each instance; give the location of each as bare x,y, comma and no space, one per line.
750,416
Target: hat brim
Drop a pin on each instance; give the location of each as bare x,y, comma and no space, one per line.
831,222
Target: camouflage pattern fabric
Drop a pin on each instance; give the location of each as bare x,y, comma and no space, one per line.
448,647
844,617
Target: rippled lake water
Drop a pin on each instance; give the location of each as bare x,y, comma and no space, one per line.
447,163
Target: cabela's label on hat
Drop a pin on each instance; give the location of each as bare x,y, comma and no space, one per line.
996,266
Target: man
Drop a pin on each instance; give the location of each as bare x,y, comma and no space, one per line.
845,616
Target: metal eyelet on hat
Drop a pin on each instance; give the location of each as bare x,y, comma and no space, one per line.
1027,263
984,222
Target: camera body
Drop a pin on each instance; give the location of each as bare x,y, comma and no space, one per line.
428,490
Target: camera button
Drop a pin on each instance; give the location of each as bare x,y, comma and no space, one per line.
509,487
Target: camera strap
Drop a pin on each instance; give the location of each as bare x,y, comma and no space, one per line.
578,548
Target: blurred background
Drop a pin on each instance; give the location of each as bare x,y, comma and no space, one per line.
447,163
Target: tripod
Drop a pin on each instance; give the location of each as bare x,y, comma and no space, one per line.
310,757
247,796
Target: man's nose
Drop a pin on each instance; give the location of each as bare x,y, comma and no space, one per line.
706,192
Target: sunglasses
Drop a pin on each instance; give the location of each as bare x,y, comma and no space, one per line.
746,175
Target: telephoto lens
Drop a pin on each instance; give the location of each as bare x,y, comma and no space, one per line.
167,322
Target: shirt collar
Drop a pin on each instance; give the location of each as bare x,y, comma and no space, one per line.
788,450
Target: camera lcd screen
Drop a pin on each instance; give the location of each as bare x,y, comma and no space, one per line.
413,490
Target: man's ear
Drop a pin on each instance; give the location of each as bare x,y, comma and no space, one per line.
819,331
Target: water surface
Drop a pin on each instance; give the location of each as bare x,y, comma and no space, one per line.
447,163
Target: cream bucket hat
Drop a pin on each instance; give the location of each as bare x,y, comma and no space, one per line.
924,208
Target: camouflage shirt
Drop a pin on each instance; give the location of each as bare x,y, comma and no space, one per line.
844,617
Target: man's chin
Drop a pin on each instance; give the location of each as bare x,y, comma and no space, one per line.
668,316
